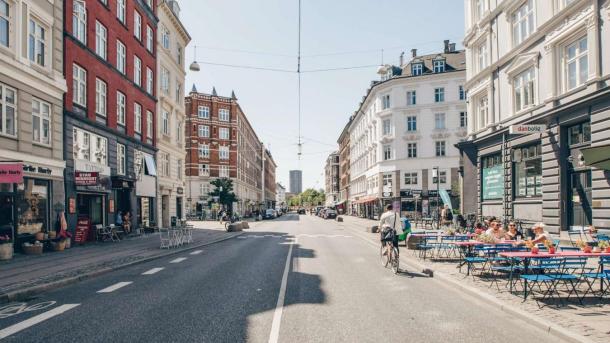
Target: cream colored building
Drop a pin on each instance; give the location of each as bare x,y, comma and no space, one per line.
171,43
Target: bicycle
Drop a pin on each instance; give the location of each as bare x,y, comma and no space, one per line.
387,245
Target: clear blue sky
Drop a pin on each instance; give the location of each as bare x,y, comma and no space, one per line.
356,30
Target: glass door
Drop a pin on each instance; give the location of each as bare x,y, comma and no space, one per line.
579,208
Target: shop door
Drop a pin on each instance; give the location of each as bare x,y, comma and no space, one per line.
165,210
179,207
579,202
92,207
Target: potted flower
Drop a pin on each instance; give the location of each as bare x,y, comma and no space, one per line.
550,246
584,246
604,246
6,248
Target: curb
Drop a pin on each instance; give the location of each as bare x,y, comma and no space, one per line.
25,293
545,325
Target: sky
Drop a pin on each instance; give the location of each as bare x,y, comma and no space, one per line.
334,34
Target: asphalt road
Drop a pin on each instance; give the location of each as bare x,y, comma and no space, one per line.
329,282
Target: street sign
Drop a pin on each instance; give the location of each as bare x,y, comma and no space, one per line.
526,129
387,194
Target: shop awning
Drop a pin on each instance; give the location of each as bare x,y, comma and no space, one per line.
598,157
150,165
365,200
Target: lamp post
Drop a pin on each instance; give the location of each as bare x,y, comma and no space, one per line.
195,66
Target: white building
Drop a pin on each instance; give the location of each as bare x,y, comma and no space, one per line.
406,126
280,195
545,63
331,179
171,43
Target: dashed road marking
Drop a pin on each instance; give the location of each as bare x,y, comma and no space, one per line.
115,287
13,329
178,260
196,252
153,271
279,307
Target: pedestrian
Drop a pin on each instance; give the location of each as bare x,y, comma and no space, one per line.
118,221
447,216
127,222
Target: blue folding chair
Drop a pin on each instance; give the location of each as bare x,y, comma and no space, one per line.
570,276
601,274
541,275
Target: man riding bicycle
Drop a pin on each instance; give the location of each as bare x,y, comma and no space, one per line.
390,225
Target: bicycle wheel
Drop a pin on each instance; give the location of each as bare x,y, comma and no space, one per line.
227,226
384,256
395,260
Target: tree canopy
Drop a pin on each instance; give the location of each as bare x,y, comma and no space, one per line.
309,197
223,189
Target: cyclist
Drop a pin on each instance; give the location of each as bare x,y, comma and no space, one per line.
390,221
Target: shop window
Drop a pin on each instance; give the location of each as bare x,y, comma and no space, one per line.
528,171
33,206
579,134
492,178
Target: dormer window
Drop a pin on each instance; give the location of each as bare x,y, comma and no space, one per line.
439,66
417,69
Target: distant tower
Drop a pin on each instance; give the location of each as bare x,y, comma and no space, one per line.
296,181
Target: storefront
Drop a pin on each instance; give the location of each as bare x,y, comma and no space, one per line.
146,189
368,207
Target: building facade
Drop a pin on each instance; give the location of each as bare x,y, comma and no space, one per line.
404,130
249,166
280,196
545,63
331,179
172,39
269,183
109,111
296,181
31,115
343,205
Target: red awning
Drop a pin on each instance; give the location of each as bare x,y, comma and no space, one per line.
366,199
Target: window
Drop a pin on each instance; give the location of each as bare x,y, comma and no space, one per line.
179,132
121,159
461,93
165,164
121,53
463,119
576,63
385,101
37,43
101,35
387,127
442,176
580,133
120,108
164,80
5,20
417,69
523,22
412,150
439,66
149,81
482,112
165,37
79,21
137,71
439,94
204,188
439,121
387,152
41,122
165,123
492,178
482,56
179,53
204,131
149,38
204,170
411,98
137,118
79,85
411,178
223,171
179,164
178,92
440,148
8,110
100,97
204,151
149,124
89,146
523,87
223,114
120,10
480,8
223,153
223,133
528,171
137,25
203,112
411,124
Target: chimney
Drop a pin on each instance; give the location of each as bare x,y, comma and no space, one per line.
413,53
452,47
402,59
446,41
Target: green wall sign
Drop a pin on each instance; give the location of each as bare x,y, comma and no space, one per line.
493,183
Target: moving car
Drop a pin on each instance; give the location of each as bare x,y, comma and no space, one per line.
330,214
269,214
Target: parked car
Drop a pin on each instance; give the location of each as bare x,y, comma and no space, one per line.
301,211
330,214
269,214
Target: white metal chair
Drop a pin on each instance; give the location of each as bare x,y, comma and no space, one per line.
188,234
166,238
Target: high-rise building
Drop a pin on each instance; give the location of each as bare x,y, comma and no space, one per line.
296,181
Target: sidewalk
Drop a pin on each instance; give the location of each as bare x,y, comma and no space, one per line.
26,275
590,322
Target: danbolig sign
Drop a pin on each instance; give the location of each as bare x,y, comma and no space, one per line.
526,129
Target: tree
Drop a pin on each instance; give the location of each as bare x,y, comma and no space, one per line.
223,189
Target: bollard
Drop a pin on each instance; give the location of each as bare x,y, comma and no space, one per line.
340,219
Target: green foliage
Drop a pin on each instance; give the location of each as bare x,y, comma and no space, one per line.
223,189
309,197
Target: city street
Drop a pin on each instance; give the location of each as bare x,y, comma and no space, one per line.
329,282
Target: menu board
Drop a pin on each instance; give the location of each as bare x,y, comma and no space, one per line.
493,182
82,230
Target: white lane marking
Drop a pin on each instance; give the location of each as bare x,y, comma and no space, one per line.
153,271
115,287
178,260
196,252
13,329
279,307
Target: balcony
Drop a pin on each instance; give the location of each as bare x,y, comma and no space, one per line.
411,136
440,134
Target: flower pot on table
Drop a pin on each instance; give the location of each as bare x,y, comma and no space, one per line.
6,251
39,236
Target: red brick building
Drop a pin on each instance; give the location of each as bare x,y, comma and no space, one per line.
109,126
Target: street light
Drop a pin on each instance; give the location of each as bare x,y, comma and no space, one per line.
195,66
